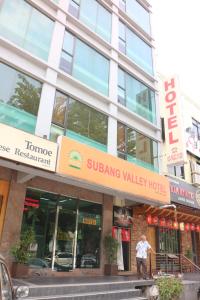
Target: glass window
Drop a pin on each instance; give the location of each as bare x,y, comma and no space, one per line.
135,48
131,142
94,15
89,235
67,53
74,8
136,96
103,27
137,12
139,51
85,64
59,110
71,242
177,171
27,27
121,138
91,68
196,129
136,147
19,99
79,121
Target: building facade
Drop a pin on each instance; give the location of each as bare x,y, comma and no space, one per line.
80,129
180,162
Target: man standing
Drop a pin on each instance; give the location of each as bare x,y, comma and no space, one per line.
141,257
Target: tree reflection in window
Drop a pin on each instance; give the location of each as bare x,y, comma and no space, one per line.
26,96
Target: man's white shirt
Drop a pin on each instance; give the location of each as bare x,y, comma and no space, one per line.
142,248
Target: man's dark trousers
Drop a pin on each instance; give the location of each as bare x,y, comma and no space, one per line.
141,262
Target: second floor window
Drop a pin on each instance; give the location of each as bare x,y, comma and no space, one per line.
19,99
85,64
136,147
79,121
94,15
135,48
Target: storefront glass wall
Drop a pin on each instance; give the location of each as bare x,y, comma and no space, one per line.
68,231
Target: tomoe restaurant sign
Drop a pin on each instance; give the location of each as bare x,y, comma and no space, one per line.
19,146
184,193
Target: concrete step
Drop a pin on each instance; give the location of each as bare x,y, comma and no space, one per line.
100,295
65,289
138,298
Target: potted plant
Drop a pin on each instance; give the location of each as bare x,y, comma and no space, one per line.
22,253
170,288
111,247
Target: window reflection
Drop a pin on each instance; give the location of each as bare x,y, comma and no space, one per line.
85,64
136,147
79,121
135,48
137,12
27,27
136,96
19,99
94,15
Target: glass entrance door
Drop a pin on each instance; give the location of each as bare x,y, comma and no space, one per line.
67,231
66,234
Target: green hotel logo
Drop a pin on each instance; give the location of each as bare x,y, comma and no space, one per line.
75,160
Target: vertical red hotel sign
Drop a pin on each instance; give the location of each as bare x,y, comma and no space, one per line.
174,135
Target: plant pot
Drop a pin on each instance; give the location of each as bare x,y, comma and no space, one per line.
19,270
111,269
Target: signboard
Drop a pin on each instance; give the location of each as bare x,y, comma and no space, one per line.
89,219
90,165
184,193
174,135
19,146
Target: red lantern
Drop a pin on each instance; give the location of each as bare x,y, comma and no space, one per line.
149,219
187,227
175,225
192,226
114,232
155,220
182,226
198,228
162,222
126,235
169,224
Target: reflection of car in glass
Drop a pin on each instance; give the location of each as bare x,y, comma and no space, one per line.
88,261
39,263
64,259
63,262
7,292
